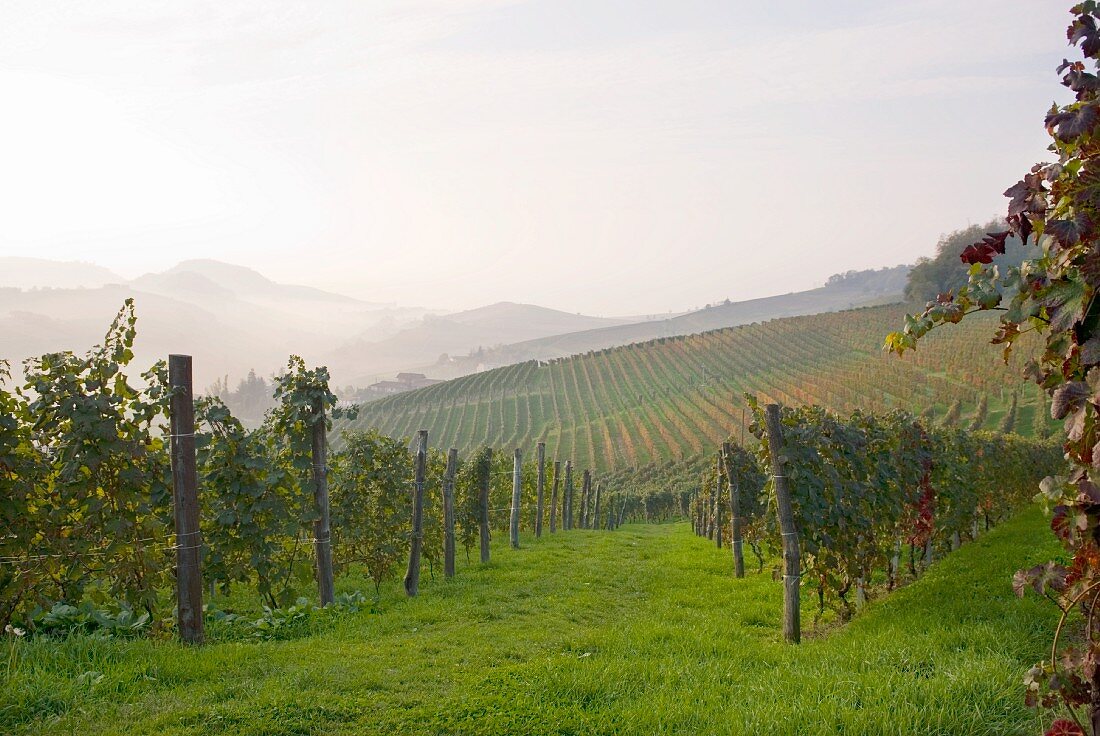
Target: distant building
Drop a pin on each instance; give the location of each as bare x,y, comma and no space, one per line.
405,382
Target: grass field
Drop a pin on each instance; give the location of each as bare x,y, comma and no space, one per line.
642,630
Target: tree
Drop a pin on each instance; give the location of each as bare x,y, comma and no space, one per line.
945,273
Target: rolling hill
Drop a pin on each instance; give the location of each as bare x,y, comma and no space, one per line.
843,291
39,273
229,317
677,397
423,342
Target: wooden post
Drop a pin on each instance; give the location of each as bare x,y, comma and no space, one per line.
412,577
449,514
895,565
735,515
710,511
695,512
720,520
586,498
622,512
554,498
185,496
567,521
517,489
792,572
484,502
322,533
596,512
540,459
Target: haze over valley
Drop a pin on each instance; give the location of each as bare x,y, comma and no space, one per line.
234,320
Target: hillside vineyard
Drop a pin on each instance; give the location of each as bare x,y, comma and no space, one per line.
674,397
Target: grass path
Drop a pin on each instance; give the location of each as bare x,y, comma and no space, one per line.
638,631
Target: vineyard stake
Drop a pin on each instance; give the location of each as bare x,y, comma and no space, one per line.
718,508
586,490
517,489
412,577
483,502
540,458
449,514
567,520
186,498
735,515
554,498
596,513
322,532
792,572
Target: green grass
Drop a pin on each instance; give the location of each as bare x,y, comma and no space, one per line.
642,630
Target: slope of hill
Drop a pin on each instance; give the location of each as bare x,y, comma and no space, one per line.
39,273
843,291
677,397
462,332
230,318
199,275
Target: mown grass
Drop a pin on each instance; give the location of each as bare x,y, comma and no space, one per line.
642,630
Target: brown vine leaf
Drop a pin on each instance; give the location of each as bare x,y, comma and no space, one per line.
1067,398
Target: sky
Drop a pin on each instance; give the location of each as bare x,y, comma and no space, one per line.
612,157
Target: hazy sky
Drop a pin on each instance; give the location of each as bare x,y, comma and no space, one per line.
612,157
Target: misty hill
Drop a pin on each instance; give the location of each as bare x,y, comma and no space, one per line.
205,277
461,332
678,397
229,317
233,319
38,273
842,291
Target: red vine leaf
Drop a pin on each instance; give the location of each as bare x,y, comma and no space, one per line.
1064,727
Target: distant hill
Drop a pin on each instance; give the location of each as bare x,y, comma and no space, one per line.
461,333
677,397
208,277
843,291
37,273
230,318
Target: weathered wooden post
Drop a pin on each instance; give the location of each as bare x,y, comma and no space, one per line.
792,570
735,514
412,577
449,514
185,496
554,498
596,511
540,459
517,490
695,512
586,480
486,475
567,522
709,505
719,508
322,533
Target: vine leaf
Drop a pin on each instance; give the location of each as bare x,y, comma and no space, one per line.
1064,727
1039,579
